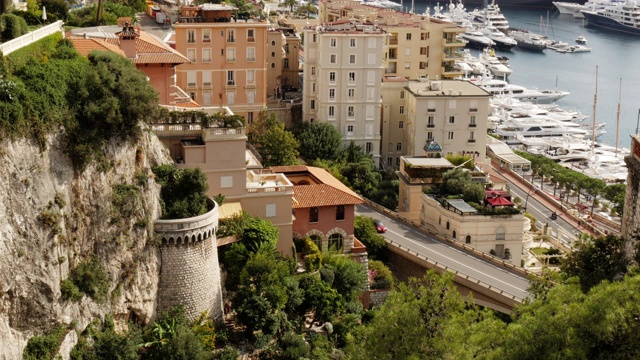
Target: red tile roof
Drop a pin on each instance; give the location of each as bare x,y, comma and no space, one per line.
85,46
319,195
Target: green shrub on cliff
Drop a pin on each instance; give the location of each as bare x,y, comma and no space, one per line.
184,191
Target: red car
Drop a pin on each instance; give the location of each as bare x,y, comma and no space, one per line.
380,228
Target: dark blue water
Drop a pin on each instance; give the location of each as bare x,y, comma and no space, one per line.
616,56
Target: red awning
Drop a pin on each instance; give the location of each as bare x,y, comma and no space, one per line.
499,201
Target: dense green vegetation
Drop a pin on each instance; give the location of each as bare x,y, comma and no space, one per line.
88,277
11,27
184,191
276,145
49,85
365,231
44,347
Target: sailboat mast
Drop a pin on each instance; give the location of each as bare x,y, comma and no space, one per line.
618,116
595,102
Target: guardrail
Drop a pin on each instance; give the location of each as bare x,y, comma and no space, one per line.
27,39
494,259
458,273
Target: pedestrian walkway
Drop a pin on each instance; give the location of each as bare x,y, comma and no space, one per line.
545,199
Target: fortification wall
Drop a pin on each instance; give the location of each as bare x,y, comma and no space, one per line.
189,269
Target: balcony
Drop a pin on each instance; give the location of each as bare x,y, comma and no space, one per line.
251,59
231,83
473,110
431,126
251,39
473,125
206,85
231,59
231,39
471,141
267,183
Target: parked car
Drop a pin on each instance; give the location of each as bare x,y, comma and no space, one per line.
605,215
380,228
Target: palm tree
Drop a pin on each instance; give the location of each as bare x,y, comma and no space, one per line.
308,8
290,4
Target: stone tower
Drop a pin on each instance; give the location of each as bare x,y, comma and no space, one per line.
189,268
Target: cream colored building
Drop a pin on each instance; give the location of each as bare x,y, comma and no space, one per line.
283,47
342,80
418,46
228,64
454,219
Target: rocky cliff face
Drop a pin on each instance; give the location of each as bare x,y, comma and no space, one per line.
52,218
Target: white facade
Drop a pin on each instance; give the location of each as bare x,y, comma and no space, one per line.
342,80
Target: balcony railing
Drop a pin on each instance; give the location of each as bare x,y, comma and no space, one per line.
431,125
471,141
473,125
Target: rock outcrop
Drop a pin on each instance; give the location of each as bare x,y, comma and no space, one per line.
53,218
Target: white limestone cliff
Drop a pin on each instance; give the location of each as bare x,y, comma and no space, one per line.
36,256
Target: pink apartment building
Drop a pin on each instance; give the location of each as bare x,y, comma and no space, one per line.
228,65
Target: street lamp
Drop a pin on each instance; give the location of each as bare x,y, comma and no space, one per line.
526,202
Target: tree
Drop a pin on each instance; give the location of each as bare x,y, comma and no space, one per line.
320,297
290,4
258,231
320,140
365,230
350,277
278,147
363,177
307,9
455,181
381,275
595,260
183,192
458,160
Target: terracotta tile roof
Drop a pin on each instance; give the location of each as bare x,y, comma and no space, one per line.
188,104
325,177
85,46
289,169
319,195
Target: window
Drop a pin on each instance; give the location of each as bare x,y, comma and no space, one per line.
371,59
313,215
352,59
192,95
371,92
333,42
352,77
335,242
351,93
206,55
407,51
226,182
231,77
399,146
454,234
313,105
352,42
313,87
191,36
472,121
340,212
286,63
424,36
401,110
452,119
206,98
273,65
251,96
431,122
251,76
316,240
429,135
423,51
500,234
389,161
371,77
250,118
251,37
332,94
402,94
407,65
409,36
350,129
206,35
332,111
447,225
271,210
372,43
231,54
332,58
472,136
314,38
231,97
231,35
191,78
206,78
400,124
397,161
313,70
191,55
450,135
350,111
251,54
468,239
423,65
367,147
332,76
273,43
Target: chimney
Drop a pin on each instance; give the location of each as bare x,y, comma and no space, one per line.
128,37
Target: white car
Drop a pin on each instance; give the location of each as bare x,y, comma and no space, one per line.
605,215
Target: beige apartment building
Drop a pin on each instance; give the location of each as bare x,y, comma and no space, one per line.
228,64
342,79
283,56
418,46
233,172
499,234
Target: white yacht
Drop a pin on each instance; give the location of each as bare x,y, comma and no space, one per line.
575,9
475,38
528,40
504,89
623,17
503,42
494,65
386,4
491,14
514,131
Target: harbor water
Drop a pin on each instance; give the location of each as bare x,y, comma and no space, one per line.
615,56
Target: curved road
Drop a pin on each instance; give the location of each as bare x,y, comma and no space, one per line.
456,259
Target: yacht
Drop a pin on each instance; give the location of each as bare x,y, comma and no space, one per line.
491,14
528,40
623,17
494,65
513,131
502,41
571,8
385,4
502,88
475,38
581,40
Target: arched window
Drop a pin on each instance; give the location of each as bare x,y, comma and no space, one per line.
273,65
316,240
468,239
454,234
500,233
273,54
447,225
335,242
273,43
